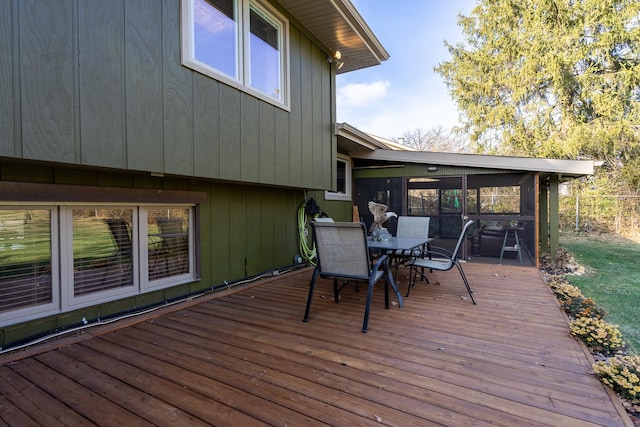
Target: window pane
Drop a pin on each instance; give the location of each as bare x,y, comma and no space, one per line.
215,35
168,242
265,54
102,250
25,258
341,171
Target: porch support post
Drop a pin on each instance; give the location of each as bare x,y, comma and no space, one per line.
543,217
554,220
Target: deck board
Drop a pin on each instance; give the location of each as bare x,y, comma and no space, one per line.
246,358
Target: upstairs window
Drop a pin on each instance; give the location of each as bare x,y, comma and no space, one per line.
239,42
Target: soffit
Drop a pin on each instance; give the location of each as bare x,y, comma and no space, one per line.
339,26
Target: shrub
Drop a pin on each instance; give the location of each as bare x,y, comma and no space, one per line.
597,334
622,374
572,301
582,307
564,290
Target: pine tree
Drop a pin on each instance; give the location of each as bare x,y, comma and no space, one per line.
551,78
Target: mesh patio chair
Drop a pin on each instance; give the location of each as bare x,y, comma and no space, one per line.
410,226
440,259
323,219
343,255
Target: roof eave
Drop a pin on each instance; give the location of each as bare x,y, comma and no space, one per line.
339,26
564,167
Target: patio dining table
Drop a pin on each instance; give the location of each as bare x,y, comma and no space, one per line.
393,245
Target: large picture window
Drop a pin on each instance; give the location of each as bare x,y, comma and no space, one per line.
60,258
240,42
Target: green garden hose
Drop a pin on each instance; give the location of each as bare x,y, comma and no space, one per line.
307,252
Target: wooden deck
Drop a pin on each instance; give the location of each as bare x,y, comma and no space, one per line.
246,358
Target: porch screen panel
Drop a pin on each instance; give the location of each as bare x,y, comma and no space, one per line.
500,200
102,250
25,258
168,242
423,202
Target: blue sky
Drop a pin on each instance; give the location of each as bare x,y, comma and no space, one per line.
403,93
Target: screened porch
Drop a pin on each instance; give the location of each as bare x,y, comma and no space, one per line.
503,207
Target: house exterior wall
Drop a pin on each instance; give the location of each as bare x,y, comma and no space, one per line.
101,84
94,94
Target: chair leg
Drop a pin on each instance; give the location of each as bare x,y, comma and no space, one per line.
412,278
367,307
336,291
310,297
386,292
424,276
466,282
394,285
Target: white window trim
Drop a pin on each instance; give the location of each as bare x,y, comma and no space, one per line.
337,195
189,60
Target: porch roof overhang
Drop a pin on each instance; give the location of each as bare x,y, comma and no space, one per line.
338,25
564,169
352,140
379,151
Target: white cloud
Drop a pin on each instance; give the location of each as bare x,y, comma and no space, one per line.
398,114
361,94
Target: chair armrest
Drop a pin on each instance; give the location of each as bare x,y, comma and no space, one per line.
382,259
437,250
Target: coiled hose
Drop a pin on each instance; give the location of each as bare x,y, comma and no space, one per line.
308,209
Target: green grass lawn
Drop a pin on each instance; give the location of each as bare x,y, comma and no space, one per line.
612,279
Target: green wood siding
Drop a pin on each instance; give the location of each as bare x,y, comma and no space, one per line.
268,142
229,159
101,84
47,73
417,170
206,132
178,97
102,79
7,132
144,84
250,140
